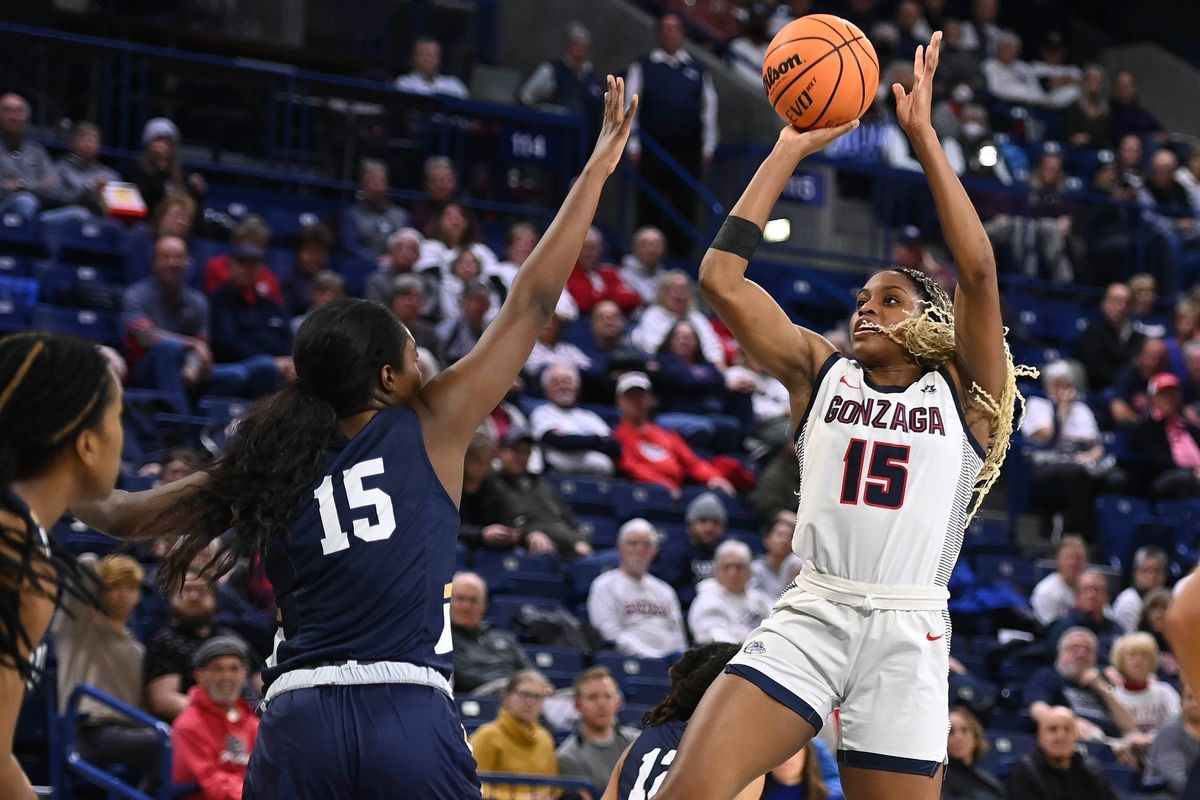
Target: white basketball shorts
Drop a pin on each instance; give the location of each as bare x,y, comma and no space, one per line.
879,653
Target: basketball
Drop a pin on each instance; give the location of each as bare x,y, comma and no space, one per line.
820,71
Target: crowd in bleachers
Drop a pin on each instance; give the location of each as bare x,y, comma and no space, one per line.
635,491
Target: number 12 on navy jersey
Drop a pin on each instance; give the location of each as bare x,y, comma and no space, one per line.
357,496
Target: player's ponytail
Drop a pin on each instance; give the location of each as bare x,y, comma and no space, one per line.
931,340
691,676
278,451
52,388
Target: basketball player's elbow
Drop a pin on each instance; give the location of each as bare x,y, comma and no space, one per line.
1183,624
718,276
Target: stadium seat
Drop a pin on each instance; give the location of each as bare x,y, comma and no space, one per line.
15,229
503,609
585,494
14,266
649,500
631,714
96,326
90,237
582,571
475,711
18,296
631,666
555,659
1006,750
1116,519
1016,571
601,531
223,408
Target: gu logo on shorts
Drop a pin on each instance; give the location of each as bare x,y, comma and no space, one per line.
773,74
754,648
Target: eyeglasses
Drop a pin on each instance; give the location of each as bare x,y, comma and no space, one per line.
529,697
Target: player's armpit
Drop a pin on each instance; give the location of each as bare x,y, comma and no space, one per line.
761,327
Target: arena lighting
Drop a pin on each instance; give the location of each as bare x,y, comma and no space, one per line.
777,230
987,155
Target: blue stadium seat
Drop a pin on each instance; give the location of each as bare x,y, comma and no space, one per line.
90,237
601,531
1006,750
503,609
14,266
649,500
223,408
18,296
555,659
475,711
15,229
631,714
582,571
585,494
1016,571
645,691
538,584
96,326
502,569
624,666
1116,519
77,285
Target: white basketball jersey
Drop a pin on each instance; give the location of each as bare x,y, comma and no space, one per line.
885,478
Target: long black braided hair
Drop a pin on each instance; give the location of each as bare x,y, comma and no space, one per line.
52,388
691,676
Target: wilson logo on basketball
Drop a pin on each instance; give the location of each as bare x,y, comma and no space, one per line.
772,75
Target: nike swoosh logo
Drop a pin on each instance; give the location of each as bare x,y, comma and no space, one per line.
929,635
848,383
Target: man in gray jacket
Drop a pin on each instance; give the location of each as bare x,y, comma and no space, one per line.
28,180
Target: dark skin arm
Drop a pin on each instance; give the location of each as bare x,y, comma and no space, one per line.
453,404
791,353
978,329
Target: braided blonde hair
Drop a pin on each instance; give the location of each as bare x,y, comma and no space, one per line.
929,337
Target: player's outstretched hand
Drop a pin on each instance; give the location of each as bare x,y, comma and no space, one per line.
614,131
805,143
912,108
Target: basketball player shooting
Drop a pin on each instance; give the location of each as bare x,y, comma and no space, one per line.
897,446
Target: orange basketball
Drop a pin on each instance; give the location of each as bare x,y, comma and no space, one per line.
820,71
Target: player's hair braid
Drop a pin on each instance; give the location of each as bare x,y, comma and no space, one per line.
280,448
53,388
691,676
930,338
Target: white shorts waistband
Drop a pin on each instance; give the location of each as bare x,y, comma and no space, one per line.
354,674
871,596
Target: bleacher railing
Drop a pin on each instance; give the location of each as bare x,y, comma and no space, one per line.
97,775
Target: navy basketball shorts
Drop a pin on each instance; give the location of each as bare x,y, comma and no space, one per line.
370,742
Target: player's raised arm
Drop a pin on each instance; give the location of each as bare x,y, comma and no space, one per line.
788,352
466,392
978,328
129,515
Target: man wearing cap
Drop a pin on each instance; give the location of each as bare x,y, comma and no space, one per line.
706,519
569,82
636,611
248,242
547,520
651,453
214,735
248,324
96,647
1168,445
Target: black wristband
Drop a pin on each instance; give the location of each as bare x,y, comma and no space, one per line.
738,236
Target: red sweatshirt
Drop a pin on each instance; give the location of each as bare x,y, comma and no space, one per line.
216,275
210,748
657,455
586,294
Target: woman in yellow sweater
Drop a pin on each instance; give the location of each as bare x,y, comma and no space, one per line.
515,742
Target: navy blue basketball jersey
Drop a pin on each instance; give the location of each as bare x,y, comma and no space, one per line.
646,763
364,573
